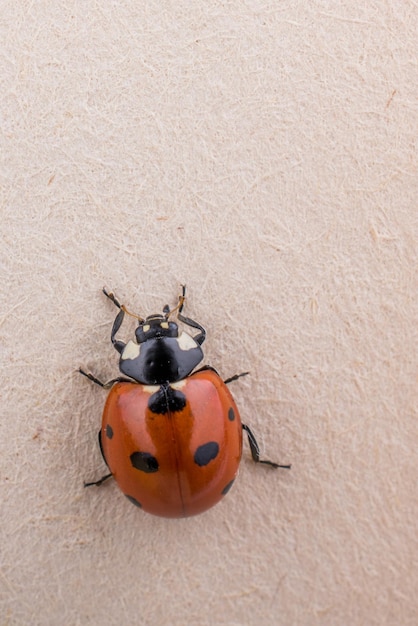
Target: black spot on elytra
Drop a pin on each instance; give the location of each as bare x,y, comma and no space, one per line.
227,487
166,399
206,453
231,414
109,431
134,501
144,461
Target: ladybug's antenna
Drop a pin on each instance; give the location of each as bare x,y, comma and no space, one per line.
120,306
182,298
135,315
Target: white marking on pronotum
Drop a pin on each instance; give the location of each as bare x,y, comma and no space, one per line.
150,388
186,342
164,324
178,385
130,351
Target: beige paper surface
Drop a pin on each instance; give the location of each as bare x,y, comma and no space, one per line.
264,153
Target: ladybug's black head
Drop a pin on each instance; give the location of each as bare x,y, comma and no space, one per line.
155,327
159,354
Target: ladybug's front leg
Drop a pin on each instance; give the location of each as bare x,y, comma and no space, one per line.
255,450
118,345
201,336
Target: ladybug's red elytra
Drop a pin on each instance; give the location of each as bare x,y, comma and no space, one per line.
172,439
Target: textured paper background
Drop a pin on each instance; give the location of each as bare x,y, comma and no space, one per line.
265,153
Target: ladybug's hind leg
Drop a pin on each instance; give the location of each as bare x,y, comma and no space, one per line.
98,482
106,476
255,449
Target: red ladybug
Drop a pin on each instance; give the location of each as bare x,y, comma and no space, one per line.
171,439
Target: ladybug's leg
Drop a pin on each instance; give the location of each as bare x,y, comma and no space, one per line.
118,345
98,482
200,337
227,380
106,476
112,297
255,450
235,377
106,385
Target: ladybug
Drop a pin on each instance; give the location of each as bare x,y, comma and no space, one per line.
170,436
